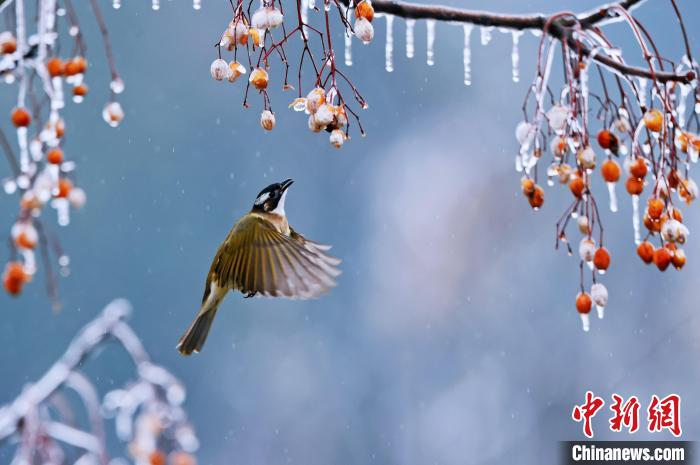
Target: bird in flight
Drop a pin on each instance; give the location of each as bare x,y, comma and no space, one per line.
262,255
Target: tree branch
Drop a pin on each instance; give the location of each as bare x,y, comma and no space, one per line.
556,29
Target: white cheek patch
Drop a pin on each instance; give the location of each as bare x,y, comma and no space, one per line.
279,209
261,200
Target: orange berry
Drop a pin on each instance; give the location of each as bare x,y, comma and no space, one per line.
655,207
634,185
364,9
157,458
610,170
259,78
528,186
537,198
676,214
15,271
21,117
678,259
64,188
646,252
601,259
638,168
24,242
608,140
653,119
12,287
651,224
683,140
70,68
55,66
673,179
182,458
9,46
80,90
80,64
583,302
662,258
55,156
576,186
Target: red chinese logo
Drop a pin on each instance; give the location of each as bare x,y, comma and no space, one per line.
626,414
587,411
665,414
662,414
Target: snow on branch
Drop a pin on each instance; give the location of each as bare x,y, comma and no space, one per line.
148,412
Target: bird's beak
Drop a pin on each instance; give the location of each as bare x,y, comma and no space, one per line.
286,184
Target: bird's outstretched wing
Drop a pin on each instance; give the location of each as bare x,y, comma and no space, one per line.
256,258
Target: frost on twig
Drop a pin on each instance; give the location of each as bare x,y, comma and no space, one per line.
147,412
45,67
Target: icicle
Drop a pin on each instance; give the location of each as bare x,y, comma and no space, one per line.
642,88
116,4
613,197
305,17
155,4
585,322
515,55
681,108
485,32
197,4
635,219
467,54
601,311
389,47
63,211
348,49
410,25
431,42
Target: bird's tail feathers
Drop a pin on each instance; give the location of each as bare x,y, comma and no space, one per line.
196,334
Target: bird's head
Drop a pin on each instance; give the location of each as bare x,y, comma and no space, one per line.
271,199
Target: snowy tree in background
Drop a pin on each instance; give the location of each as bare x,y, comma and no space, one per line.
44,425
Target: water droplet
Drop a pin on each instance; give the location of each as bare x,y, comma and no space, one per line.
197,4
155,4
116,4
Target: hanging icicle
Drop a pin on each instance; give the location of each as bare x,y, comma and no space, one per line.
431,42
197,4
635,220
515,55
389,46
155,4
116,4
613,197
485,32
410,26
467,54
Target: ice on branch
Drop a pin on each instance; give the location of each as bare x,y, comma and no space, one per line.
148,411
42,173
592,119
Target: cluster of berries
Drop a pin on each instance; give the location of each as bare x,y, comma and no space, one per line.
324,114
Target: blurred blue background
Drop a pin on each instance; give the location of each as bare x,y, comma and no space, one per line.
452,337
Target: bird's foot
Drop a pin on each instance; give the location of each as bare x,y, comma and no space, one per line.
250,294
